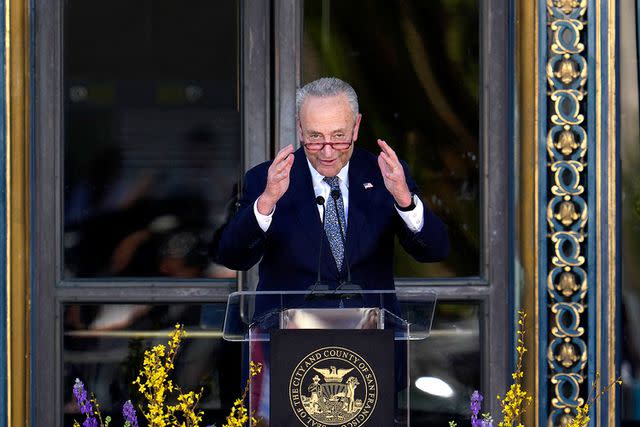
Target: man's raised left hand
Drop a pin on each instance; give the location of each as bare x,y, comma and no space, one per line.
393,175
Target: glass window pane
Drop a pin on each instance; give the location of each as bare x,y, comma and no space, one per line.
445,368
630,159
151,135
415,66
104,347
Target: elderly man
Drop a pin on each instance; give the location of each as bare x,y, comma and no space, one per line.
366,200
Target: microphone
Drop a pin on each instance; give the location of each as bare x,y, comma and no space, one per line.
335,195
320,201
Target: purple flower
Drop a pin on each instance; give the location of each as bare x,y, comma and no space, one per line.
129,413
84,404
81,396
476,405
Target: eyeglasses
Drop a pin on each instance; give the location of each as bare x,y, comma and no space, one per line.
336,145
316,141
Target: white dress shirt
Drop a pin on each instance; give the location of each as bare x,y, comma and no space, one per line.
413,218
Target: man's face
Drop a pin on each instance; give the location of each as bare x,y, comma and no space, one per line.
328,119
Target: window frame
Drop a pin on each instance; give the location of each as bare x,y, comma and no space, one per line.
51,291
270,69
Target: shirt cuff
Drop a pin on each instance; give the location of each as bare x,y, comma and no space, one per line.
413,218
264,221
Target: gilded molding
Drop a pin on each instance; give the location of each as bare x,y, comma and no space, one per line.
612,205
567,209
17,210
526,154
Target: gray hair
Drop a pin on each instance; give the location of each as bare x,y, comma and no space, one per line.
325,87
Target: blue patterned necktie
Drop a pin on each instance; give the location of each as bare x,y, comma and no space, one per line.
331,224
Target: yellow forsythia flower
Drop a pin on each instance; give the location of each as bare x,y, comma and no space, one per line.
155,385
239,415
516,401
582,411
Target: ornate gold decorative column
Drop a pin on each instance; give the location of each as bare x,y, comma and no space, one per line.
567,208
566,215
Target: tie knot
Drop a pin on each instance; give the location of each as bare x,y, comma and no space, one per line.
333,181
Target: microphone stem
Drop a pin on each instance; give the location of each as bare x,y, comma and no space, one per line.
320,201
324,214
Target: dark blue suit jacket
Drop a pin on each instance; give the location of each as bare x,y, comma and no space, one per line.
288,251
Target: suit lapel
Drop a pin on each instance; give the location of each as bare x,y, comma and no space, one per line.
358,205
303,198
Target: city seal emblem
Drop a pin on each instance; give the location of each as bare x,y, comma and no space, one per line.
333,386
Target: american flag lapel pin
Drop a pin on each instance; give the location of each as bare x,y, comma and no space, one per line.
367,185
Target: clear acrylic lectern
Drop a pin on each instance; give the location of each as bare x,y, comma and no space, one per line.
252,317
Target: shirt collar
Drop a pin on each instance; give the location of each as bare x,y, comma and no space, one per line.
317,179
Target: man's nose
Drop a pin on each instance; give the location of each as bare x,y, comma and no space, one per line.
327,149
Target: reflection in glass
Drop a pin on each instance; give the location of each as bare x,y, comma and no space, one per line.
151,135
415,67
630,159
104,347
445,368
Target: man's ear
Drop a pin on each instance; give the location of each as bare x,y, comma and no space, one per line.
356,127
299,130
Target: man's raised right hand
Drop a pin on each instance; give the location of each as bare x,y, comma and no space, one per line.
277,180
